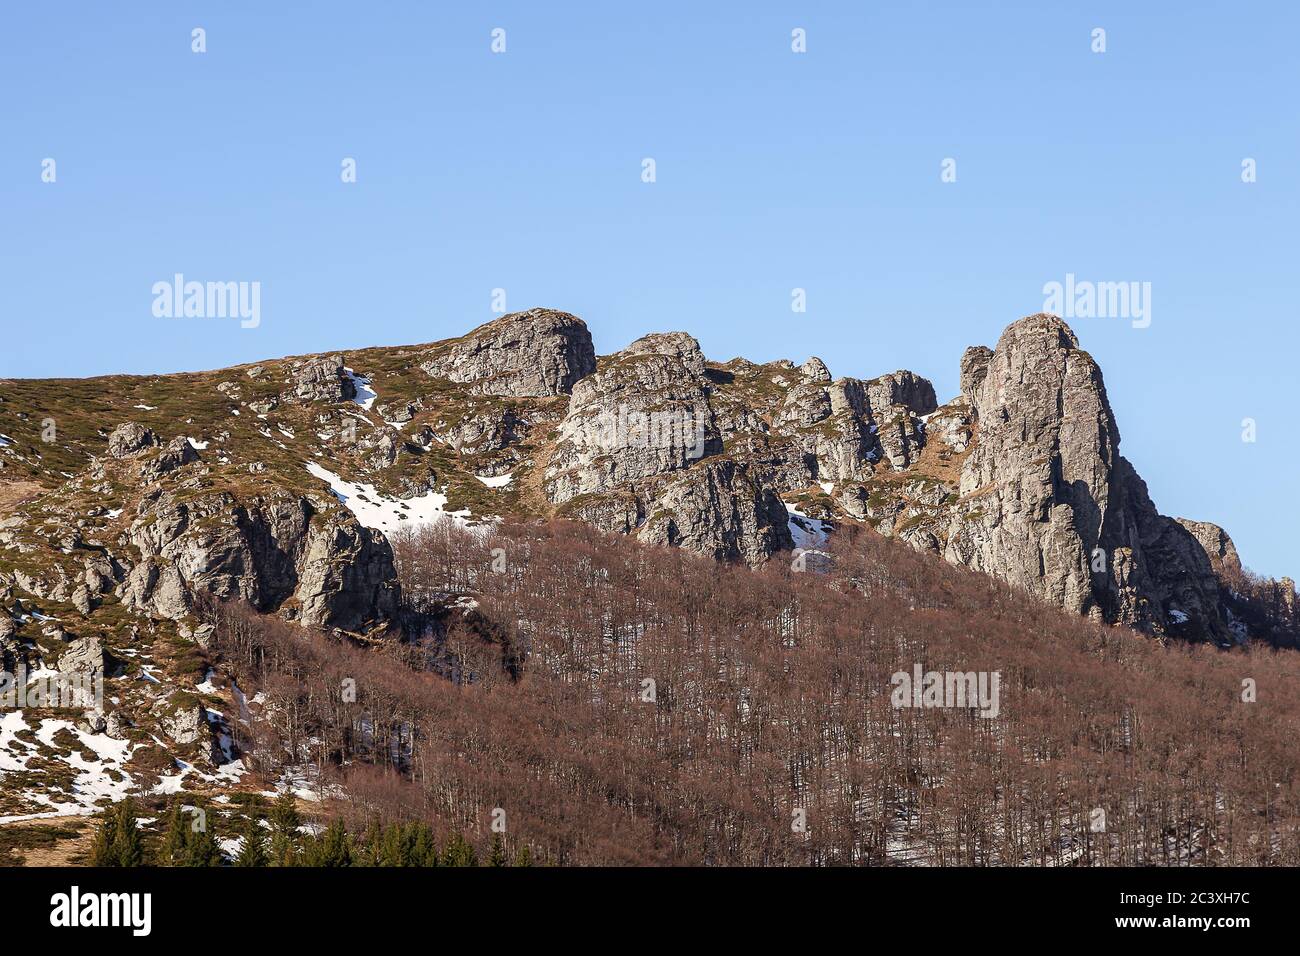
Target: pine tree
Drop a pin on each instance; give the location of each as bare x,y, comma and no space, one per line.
370,848
102,850
252,851
332,848
284,813
424,849
459,852
118,841
395,848
524,856
498,855
284,830
176,839
201,848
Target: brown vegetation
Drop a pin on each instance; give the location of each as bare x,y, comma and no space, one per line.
771,695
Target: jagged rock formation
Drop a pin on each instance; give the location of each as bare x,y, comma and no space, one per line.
1048,503
534,353
1019,476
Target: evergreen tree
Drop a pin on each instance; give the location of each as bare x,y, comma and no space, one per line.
284,813
524,856
395,848
201,848
102,850
332,848
424,849
459,853
370,848
252,851
284,830
498,855
176,838
118,841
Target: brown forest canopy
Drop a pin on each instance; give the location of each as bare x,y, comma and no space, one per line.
771,704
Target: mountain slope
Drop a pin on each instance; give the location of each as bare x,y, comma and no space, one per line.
279,482
128,501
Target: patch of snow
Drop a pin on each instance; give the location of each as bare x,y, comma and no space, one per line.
365,394
5,441
1177,616
375,510
199,445
148,408
500,481
808,533
827,486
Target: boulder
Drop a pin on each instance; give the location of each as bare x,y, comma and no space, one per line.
129,440
525,354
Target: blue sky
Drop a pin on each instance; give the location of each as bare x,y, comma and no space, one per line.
775,170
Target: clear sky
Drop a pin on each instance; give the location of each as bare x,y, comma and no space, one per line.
775,170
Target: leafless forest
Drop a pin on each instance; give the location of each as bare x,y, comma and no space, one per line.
633,705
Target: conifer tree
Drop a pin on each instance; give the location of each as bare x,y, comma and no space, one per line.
285,821
497,857
395,848
176,838
424,849
118,841
459,852
332,848
201,848
252,850
370,847
524,856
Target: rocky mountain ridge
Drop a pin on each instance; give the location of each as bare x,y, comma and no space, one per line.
277,483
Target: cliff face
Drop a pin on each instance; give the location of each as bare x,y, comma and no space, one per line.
1048,503
280,483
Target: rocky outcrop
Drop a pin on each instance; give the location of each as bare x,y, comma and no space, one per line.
645,413
262,551
1047,502
157,589
535,353
129,439
721,509
84,658
815,370
1218,546
974,367
346,578
175,454
322,379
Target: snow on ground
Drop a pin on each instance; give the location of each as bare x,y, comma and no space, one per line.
207,687
5,441
96,759
197,445
827,486
375,510
500,481
148,408
808,533
1177,616
365,394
